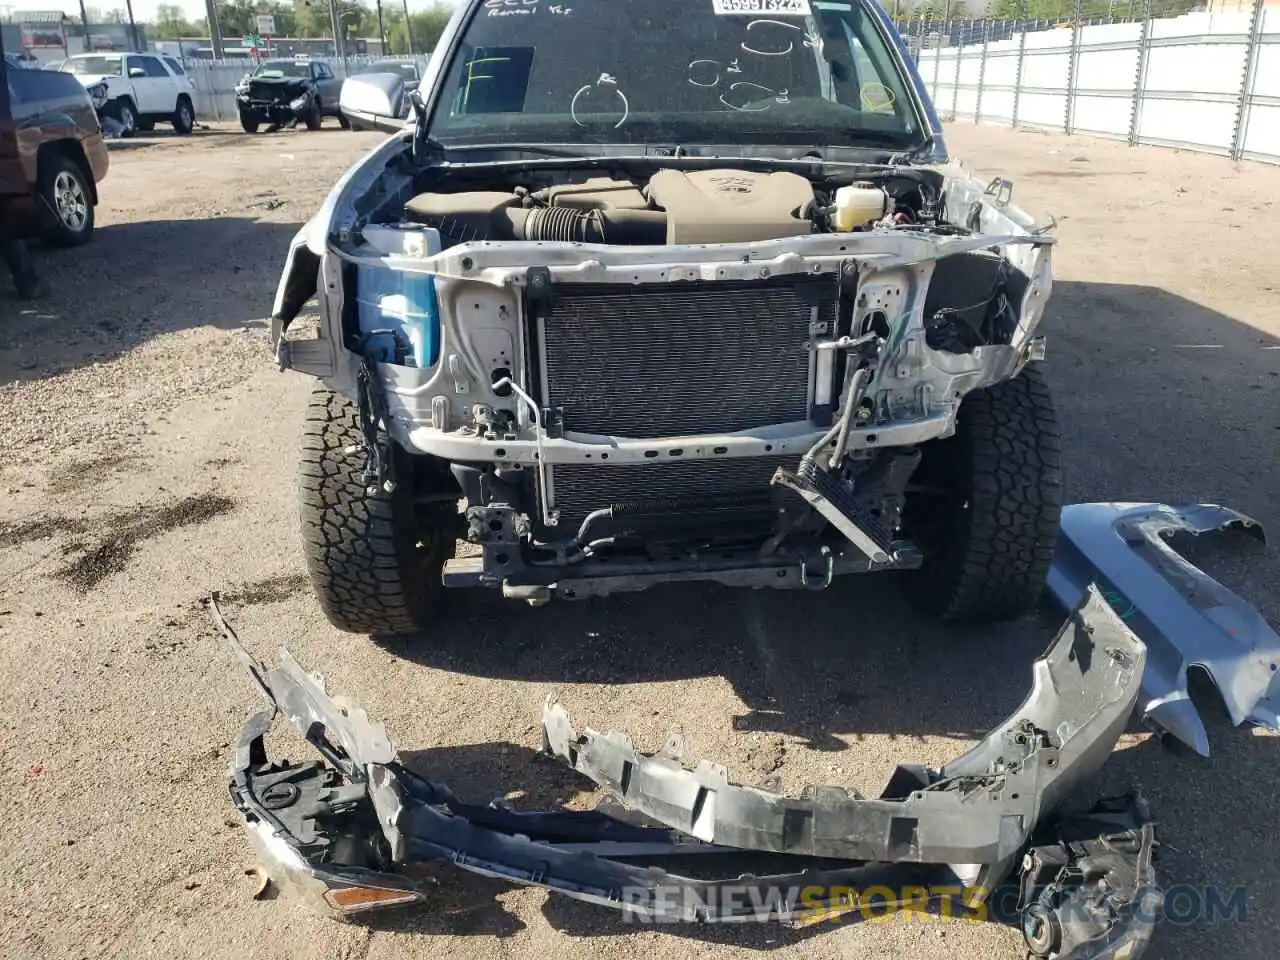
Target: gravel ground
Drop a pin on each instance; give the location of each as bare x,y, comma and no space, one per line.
147,457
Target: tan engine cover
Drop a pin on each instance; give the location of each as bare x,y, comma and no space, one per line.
731,206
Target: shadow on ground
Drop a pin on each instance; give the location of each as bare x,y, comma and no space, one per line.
1161,399
144,279
164,135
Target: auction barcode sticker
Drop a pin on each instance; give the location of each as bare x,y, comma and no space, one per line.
777,8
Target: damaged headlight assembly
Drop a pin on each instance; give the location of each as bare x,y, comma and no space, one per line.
346,831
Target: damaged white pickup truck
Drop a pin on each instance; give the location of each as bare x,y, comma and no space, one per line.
670,290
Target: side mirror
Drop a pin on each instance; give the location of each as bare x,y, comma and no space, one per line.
374,101
137,72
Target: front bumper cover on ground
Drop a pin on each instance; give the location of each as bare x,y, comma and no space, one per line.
1184,617
978,809
348,831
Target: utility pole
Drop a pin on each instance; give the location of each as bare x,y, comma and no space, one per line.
338,39
382,30
133,27
215,30
84,19
408,26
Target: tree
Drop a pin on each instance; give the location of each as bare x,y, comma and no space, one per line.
427,25
308,19
170,24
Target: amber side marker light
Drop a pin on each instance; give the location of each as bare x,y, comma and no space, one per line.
355,899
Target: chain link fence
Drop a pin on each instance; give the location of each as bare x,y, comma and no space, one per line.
1147,72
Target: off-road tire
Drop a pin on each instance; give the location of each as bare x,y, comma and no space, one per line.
375,561
989,536
315,116
343,122
184,116
249,123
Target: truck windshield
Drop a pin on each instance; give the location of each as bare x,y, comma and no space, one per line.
748,72
275,69
93,66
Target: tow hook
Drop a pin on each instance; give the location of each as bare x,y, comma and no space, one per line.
831,571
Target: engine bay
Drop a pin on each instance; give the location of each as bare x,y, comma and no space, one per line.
676,206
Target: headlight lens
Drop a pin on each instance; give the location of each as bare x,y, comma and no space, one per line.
325,892
297,103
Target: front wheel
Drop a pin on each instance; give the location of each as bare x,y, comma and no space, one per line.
248,122
375,559
127,114
343,122
984,505
315,116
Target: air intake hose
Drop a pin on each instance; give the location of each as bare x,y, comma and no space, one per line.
564,224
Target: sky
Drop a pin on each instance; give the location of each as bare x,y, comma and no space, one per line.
143,9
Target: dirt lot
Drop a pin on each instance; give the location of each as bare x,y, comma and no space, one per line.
147,457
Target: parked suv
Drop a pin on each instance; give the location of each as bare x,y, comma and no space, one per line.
52,156
283,92
138,90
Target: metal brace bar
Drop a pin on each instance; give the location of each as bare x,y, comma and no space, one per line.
982,69
1247,82
1140,79
937,61
1073,69
1022,56
955,85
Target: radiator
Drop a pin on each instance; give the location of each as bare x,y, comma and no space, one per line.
670,359
695,490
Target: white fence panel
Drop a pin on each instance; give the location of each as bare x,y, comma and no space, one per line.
966,102
1046,65
1261,140
1001,81
1200,81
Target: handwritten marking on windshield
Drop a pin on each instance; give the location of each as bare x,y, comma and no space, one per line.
472,76
510,8
876,97
697,73
773,23
610,83
764,94
706,73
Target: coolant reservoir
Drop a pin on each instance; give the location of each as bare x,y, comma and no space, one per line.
397,309
858,205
